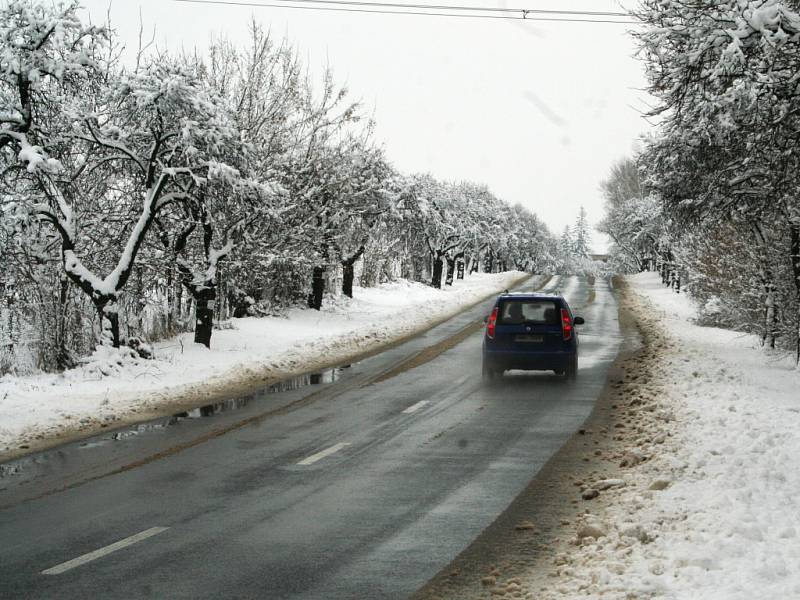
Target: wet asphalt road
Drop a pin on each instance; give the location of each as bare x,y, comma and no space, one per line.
362,490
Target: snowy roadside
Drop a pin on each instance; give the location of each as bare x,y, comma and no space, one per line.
109,390
700,500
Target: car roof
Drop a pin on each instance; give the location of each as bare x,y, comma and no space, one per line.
529,296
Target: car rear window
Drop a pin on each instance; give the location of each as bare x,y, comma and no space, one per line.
543,312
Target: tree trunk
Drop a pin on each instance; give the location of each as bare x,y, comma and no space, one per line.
420,264
64,358
451,269
10,346
436,279
794,231
109,321
204,315
452,261
770,314
347,272
204,296
317,288
767,281
347,279
170,293
178,309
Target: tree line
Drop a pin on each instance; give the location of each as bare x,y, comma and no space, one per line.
711,199
141,200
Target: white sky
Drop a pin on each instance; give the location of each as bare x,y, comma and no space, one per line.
537,111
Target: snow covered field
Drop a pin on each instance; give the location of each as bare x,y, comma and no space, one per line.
112,388
711,511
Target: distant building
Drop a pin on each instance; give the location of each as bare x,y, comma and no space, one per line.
599,257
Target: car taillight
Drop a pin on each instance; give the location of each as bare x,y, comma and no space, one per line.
566,324
491,324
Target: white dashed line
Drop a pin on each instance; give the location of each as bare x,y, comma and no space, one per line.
415,407
82,560
320,455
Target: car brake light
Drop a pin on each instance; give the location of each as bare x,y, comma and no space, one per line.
491,324
566,324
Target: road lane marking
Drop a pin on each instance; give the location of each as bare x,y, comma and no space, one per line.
415,407
320,455
82,560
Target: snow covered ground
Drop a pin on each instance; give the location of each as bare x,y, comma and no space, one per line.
711,511
113,388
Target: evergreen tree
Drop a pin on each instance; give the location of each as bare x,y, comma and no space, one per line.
566,244
581,235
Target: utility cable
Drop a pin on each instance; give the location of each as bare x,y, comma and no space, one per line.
573,18
451,7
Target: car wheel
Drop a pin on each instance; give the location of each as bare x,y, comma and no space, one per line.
488,373
572,370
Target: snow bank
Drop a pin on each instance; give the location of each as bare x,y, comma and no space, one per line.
113,386
712,512
730,521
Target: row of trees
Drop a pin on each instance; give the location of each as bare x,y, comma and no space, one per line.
139,201
714,192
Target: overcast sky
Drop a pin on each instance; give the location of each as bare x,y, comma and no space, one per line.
537,111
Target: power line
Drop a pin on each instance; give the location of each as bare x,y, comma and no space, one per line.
522,12
450,7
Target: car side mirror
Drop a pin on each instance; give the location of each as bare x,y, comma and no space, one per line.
579,321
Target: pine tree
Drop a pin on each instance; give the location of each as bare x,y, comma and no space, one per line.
566,244
581,235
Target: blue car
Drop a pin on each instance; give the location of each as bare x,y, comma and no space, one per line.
532,332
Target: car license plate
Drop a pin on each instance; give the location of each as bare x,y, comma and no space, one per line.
529,338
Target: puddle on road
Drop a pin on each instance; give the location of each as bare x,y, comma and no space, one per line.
59,455
295,383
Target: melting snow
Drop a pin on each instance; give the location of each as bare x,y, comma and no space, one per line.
116,384
713,513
